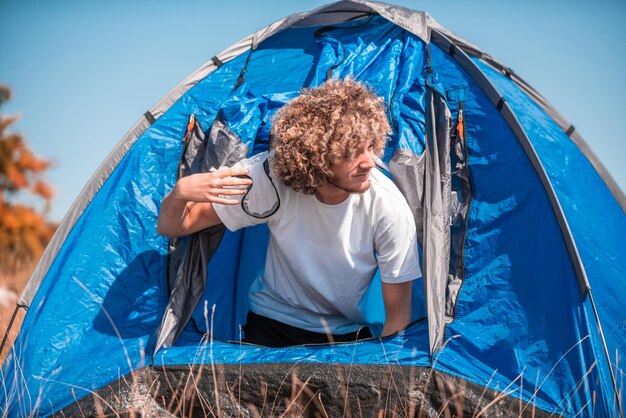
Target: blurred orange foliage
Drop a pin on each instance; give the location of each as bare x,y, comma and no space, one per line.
24,231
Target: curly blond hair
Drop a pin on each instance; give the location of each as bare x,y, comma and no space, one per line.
323,126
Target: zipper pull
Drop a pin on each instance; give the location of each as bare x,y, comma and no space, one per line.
460,126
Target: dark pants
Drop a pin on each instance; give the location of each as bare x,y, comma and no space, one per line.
262,330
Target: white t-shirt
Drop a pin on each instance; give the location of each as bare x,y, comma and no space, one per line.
322,258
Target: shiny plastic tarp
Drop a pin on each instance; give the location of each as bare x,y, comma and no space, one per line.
520,325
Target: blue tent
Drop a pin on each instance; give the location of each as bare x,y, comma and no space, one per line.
521,310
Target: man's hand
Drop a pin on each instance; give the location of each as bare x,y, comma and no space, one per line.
189,206
397,297
210,187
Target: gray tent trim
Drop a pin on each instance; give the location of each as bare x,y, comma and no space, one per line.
436,221
189,256
410,20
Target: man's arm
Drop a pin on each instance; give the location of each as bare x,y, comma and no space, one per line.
397,297
189,206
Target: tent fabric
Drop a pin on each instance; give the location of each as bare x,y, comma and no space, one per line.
487,60
514,220
509,116
574,187
112,160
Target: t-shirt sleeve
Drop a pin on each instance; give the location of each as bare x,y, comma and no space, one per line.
261,200
396,245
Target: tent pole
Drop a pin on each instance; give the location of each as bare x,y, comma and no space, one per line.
6,334
606,352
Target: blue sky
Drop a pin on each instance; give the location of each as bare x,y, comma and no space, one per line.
82,72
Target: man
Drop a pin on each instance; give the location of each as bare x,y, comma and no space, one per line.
334,220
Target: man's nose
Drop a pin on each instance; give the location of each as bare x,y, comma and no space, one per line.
368,160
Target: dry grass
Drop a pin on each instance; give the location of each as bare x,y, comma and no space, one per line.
11,286
208,389
297,392
17,281
217,390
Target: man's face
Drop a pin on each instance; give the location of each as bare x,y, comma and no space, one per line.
352,176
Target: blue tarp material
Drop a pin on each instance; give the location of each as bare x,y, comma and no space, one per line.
521,325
